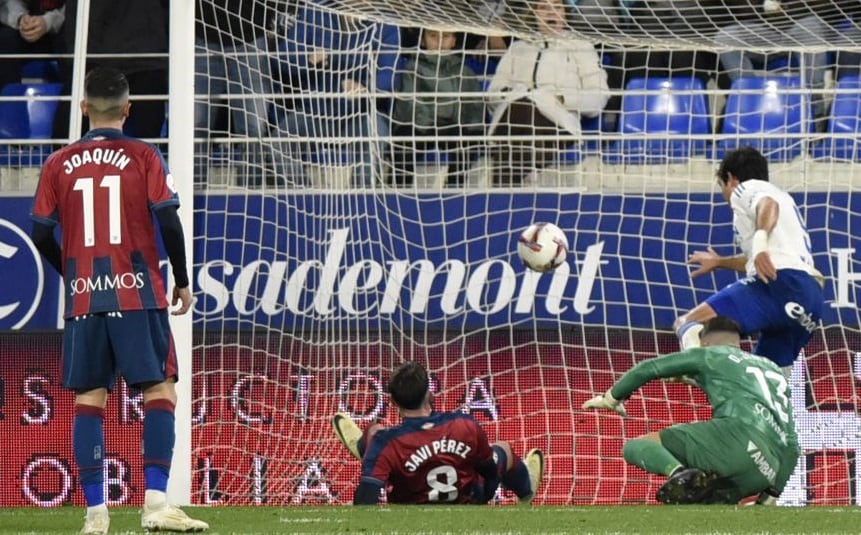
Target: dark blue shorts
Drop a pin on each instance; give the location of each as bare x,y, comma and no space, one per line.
136,344
784,312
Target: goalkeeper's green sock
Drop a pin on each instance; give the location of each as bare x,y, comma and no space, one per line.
651,456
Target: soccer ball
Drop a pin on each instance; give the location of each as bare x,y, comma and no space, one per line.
542,247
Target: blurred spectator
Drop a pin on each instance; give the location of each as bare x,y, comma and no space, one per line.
542,89
236,46
28,27
428,104
787,22
129,28
483,51
232,58
327,59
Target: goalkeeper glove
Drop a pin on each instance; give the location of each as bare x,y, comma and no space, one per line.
606,401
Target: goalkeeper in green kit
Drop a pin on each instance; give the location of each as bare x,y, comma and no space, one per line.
749,447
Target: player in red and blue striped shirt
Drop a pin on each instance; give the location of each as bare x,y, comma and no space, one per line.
433,457
103,191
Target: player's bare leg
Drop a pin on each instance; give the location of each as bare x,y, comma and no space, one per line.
157,514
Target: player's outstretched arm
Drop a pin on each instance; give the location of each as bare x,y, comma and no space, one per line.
606,401
688,362
708,261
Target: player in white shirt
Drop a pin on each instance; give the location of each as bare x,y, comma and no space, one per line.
781,297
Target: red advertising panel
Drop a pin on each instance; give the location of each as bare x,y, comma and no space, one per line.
261,409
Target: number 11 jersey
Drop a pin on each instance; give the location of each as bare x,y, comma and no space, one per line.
103,191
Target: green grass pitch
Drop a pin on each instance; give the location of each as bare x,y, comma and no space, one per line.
467,520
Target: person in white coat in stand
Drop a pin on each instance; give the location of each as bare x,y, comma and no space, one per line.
542,88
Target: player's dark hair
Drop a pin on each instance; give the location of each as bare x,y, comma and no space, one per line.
720,324
745,163
409,385
106,91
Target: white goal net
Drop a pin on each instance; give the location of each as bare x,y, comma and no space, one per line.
363,169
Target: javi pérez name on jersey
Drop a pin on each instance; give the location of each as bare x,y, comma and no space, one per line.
427,451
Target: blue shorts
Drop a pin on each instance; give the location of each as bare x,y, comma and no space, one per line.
136,344
784,312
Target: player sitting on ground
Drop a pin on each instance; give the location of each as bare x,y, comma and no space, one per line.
781,296
433,457
748,447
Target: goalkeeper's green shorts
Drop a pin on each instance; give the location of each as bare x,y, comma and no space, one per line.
742,454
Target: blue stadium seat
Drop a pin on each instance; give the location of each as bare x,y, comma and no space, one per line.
335,156
845,119
572,154
762,105
28,119
591,128
669,106
431,156
782,62
41,69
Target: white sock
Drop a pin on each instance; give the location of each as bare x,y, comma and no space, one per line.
96,509
155,498
689,334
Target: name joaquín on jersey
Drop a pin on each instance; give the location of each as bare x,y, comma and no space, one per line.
98,156
427,451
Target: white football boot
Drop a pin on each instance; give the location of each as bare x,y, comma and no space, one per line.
534,462
348,433
97,523
170,518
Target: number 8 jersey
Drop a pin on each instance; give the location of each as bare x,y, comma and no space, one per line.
436,459
103,191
